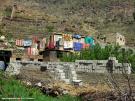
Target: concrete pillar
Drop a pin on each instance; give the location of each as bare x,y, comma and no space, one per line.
129,69
14,8
1,19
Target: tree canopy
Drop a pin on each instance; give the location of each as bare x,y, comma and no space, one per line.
99,53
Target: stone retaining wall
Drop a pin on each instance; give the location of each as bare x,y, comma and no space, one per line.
96,66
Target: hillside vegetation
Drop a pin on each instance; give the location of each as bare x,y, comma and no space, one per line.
99,53
11,88
76,16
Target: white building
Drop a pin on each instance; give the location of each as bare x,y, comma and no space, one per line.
116,38
120,39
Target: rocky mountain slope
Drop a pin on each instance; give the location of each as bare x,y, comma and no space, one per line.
74,16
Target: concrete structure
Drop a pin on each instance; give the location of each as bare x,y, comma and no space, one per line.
22,57
67,70
100,66
65,74
116,38
14,9
120,39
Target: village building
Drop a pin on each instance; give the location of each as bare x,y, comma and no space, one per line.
60,43
46,53
46,48
116,39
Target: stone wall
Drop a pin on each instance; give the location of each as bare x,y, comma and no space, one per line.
100,66
96,66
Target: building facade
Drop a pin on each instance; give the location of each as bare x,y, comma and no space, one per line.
116,38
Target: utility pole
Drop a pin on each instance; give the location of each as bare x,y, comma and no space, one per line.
14,8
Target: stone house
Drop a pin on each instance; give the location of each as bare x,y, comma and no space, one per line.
116,38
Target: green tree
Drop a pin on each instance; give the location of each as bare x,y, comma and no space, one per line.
49,28
98,53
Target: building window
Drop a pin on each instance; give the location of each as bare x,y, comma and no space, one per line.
18,59
40,60
121,39
31,59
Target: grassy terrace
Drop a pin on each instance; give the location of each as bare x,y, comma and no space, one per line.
11,88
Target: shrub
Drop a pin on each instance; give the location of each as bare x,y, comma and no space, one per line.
98,53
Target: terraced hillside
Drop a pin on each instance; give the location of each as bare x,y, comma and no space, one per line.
76,16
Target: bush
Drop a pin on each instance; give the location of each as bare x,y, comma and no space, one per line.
98,53
50,28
